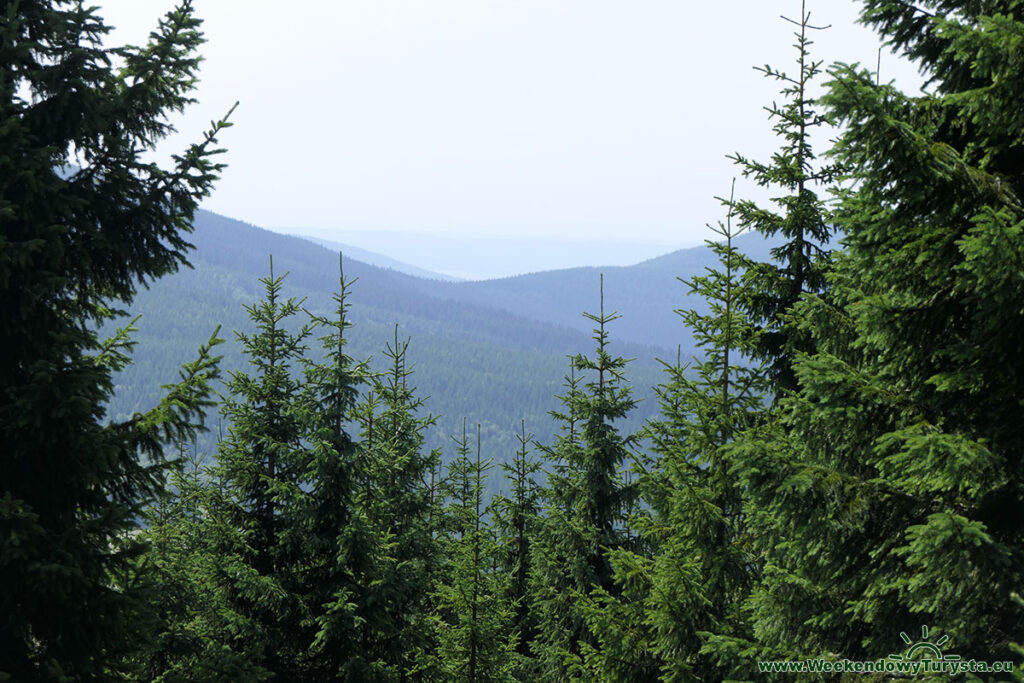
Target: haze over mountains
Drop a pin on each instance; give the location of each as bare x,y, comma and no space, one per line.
493,351
375,259
487,256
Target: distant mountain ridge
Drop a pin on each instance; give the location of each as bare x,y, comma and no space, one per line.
484,256
375,259
646,294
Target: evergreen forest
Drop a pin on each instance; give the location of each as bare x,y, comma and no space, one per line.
818,475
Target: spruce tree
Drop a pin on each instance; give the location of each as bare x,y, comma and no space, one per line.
83,221
801,218
555,562
191,644
259,518
336,543
698,526
685,582
172,531
457,493
516,520
890,500
475,616
586,502
394,495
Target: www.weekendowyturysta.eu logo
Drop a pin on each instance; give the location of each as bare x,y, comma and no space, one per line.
920,657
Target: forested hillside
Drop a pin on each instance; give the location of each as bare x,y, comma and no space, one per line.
829,485
493,352
493,366
648,293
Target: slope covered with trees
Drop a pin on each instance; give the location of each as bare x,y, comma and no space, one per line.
493,366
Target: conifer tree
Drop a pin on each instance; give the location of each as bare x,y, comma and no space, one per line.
83,221
889,500
474,624
516,519
172,531
258,518
802,219
698,525
686,582
457,491
190,643
556,552
586,502
336,526
396,638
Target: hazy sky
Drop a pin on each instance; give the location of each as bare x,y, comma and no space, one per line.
573,119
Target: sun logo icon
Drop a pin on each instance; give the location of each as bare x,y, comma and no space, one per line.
924,649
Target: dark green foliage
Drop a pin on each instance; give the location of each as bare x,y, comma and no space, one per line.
398,516
889,497
798,265
335,527
599,494
698,525
258,520
83,221
586,504
473,613
265,548
516,518
191,642
841,463
456,489
557,552
684,584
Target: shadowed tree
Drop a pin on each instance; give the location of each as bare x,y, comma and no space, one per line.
257,523
397,503
84,221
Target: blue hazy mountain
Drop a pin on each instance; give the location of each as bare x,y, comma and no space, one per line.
375,259
482,256
646,294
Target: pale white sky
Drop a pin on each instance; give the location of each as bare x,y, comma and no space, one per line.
575,119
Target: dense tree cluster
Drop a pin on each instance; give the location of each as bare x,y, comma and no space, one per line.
840,464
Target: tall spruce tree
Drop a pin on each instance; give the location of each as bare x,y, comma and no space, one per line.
397,504
555,564
586,500
892,497
83,221
801,217
330,579
685,584
258,519
199,531
456,489
698,518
